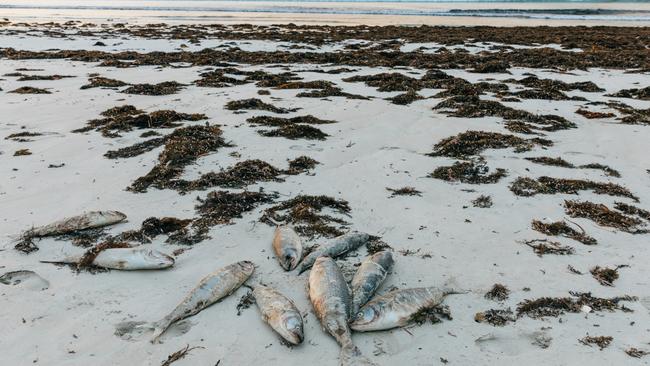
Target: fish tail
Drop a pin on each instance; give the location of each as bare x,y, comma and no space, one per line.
159,328
351,355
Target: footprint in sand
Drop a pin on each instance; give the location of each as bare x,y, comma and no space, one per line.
135,331
513,344
25,279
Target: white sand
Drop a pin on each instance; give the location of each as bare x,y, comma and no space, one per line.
375,145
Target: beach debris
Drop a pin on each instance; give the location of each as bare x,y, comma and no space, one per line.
471,172
335,248
489,67
636,353
300,165
605,275
182,147
472,143
88,220
180,354
240,175
287,246
152,227
331,299
495,317
43,77
594,115
632,210
406,98
604,216
280,313
164,88
369,276
218,79
433,315
601,341
118,256
404,191
376,245
556,306
294,132
256,104
482,201
24,278
210,289
561,228
631,115
102,82
634,93
527,187
30,90
21,136
279,122
126,118
330,92
549,84
542,247
305,213
498,292
559,162
22,152
397,307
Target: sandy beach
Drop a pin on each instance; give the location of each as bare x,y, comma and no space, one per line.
459,152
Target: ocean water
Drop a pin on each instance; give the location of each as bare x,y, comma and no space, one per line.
636,11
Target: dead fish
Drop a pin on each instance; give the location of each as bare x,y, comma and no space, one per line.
287,246
212,288
369,277
397,308
337,247
280,313
88,220
330,297
126,259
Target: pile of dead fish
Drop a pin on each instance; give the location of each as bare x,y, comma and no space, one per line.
339,307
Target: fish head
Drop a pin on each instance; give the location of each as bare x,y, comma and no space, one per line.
116,215
247,267
290,260
365,317
159,259
292,329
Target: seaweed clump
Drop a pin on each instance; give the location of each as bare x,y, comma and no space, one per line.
300,165
482,201
126,118
495,317
30,90
471,143
559,162
292,128
601,341
221,207
102,82
164,88
21,136
498,292
256,104
603,216
468,172
542,247
306,214
560,228
636,353
594,115
404,191
605,275
152,227
182,147
527,187
434,315
22,152
635,93
556,306
406,98
632,210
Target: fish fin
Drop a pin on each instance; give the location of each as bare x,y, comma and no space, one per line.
351,356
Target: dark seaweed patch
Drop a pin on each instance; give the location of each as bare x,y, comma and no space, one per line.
468,172
434,315
294,132
182,147
542,247
642,94
601,341
404,191
30,90
43,77
560,228
21,136
482,201
559,162
256,104
279,122
556,306
102,82
164,88
495,317
306,214
603,216
498,292
632,210
406,98
527,187
471,143
594,115
136,149
152,227
604,275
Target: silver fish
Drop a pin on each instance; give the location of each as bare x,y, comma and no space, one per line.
397,308
369,277
287,246
338,246
211,289
330,297
280,313
125,259
88,220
